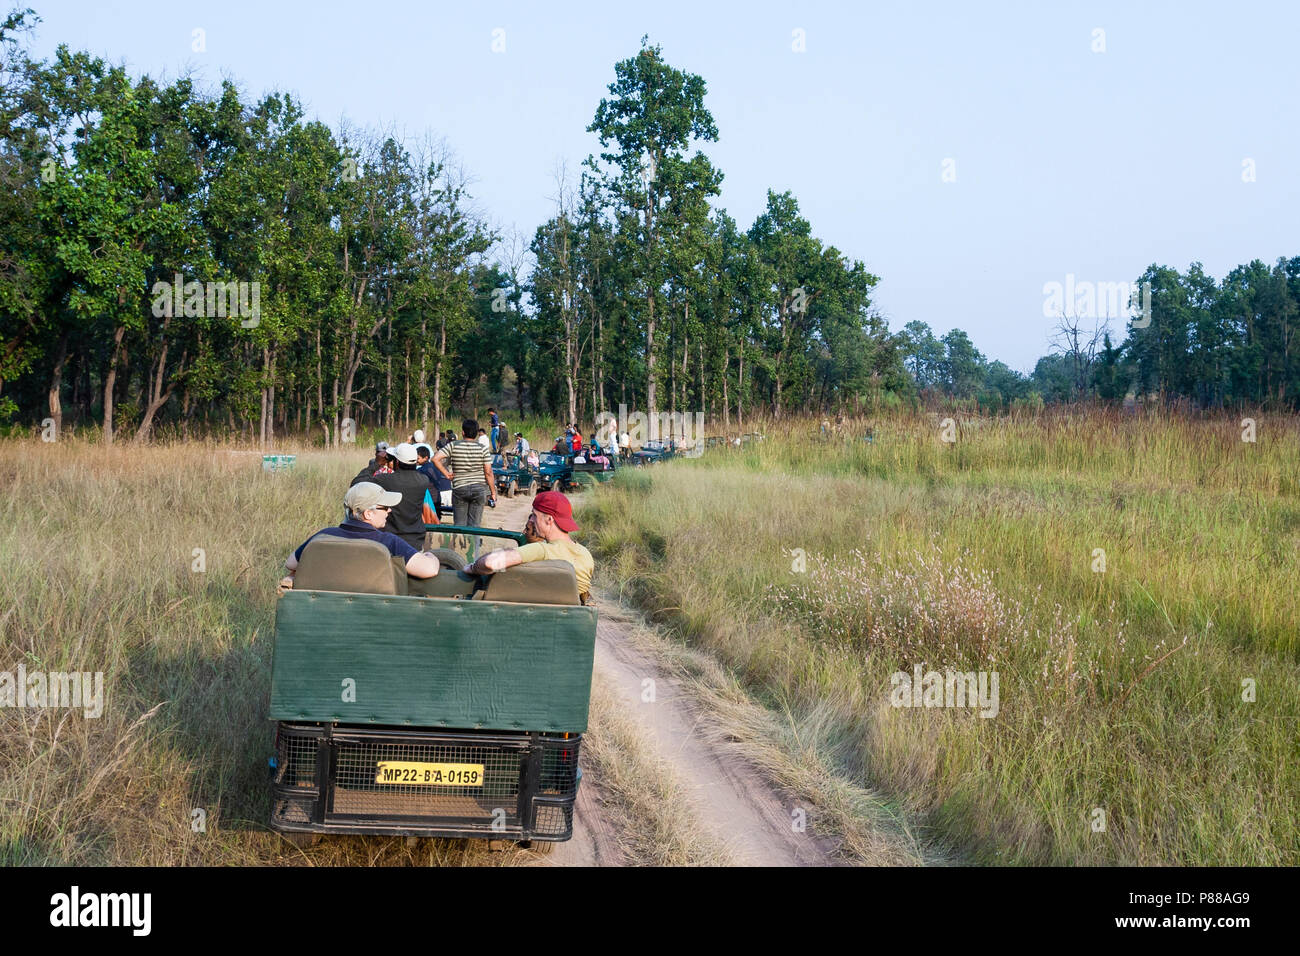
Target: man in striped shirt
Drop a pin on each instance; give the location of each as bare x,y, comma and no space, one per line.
469,466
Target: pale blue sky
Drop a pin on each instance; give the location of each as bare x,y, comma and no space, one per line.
1066,161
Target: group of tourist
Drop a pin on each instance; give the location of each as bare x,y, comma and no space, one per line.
387,501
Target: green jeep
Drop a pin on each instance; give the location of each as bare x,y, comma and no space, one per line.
452,706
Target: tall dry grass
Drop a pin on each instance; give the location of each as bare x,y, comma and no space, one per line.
817,568
97,573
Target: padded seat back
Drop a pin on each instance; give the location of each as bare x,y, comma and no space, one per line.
333,563
537,582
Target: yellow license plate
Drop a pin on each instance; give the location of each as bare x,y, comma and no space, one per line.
429,774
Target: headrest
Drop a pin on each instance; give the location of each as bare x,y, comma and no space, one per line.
537,582
333,563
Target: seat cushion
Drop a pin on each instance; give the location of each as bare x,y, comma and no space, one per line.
446,583
449,559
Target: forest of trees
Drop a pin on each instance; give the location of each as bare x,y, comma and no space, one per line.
1204,344
382,294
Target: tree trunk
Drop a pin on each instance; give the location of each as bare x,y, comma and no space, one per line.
740,392
686,354
726,408
335,437
569,363
437,369
650,298
56,384
320,380
355,347
672,367
650,356
270,400
600,363
595,353
87,388
266,367
110,380
123,385
777,369
78,362
424,352
158,398
703,394
349,386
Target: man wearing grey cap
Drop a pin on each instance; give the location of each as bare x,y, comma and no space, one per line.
381,460
368,506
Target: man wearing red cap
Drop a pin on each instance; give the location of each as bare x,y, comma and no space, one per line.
552,518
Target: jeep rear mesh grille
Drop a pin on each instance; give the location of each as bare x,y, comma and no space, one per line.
296,759
293,811
556,821
559,768
538,771
356,790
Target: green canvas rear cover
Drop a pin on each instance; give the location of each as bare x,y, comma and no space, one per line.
432,662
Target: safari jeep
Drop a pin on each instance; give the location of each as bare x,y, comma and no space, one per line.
452,706
654,451
512,476
554,472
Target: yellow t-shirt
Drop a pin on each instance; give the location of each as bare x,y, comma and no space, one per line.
562,550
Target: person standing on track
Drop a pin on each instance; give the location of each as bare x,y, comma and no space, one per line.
441,492
469,466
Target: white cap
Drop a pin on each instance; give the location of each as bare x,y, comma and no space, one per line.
405,453
419,435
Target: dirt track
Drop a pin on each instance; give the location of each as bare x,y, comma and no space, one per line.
732,801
